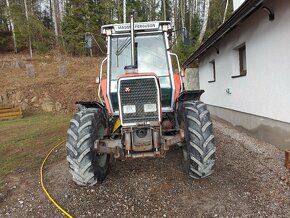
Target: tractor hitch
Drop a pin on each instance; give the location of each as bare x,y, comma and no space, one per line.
123,149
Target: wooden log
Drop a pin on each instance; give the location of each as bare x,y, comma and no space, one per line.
7,110
11,114
11,117
5,106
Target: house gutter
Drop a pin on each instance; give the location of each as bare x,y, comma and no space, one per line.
244,11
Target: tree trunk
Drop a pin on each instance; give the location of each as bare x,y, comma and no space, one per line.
182,8
29,38
118,10
124,11
173,19
54,19
226,10
153,8
190,11
205,19
12,26
164,10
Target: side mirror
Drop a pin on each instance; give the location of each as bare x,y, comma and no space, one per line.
185,36
98,80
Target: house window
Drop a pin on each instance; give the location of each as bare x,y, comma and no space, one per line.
212,66
241,50
243,61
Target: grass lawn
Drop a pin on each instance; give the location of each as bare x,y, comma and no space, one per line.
25,142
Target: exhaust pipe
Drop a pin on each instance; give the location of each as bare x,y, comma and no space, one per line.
133,61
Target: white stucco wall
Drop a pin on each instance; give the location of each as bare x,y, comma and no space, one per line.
265,90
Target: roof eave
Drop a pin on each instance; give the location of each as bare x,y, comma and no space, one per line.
244,11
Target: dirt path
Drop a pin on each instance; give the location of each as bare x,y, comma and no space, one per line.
249,181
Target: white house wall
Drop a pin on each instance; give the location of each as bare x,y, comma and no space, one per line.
265,90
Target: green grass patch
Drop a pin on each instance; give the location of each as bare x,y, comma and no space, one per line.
25,142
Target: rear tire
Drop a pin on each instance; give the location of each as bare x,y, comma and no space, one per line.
85,165
199,149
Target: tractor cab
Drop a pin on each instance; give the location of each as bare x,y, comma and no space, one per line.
150,55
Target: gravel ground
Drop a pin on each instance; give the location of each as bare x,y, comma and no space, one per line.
249,181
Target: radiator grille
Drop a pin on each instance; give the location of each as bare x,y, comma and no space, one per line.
138,92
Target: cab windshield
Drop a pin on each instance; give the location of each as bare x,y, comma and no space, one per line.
151,54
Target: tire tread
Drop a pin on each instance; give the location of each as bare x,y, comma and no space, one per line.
81,156
199,140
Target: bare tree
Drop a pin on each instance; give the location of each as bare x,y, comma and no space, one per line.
182,11
190,13
124,11
12,26
205,14
54,5
164,10
29,37
226,10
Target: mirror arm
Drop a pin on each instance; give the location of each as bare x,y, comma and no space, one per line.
101,74
179,70
177,60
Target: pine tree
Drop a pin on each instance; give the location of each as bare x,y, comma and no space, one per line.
81,17
216,15
73,18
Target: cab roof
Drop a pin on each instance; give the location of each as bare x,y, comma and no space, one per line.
139,27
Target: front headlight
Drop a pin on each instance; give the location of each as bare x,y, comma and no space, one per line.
150,108
129,109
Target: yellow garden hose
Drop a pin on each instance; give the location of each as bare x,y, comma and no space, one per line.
42,184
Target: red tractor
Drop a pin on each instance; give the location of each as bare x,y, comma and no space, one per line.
142,109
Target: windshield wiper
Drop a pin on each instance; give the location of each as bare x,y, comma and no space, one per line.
123,46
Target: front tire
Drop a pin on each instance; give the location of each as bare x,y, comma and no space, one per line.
199,148
85,165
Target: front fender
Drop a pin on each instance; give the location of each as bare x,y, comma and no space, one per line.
190,95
